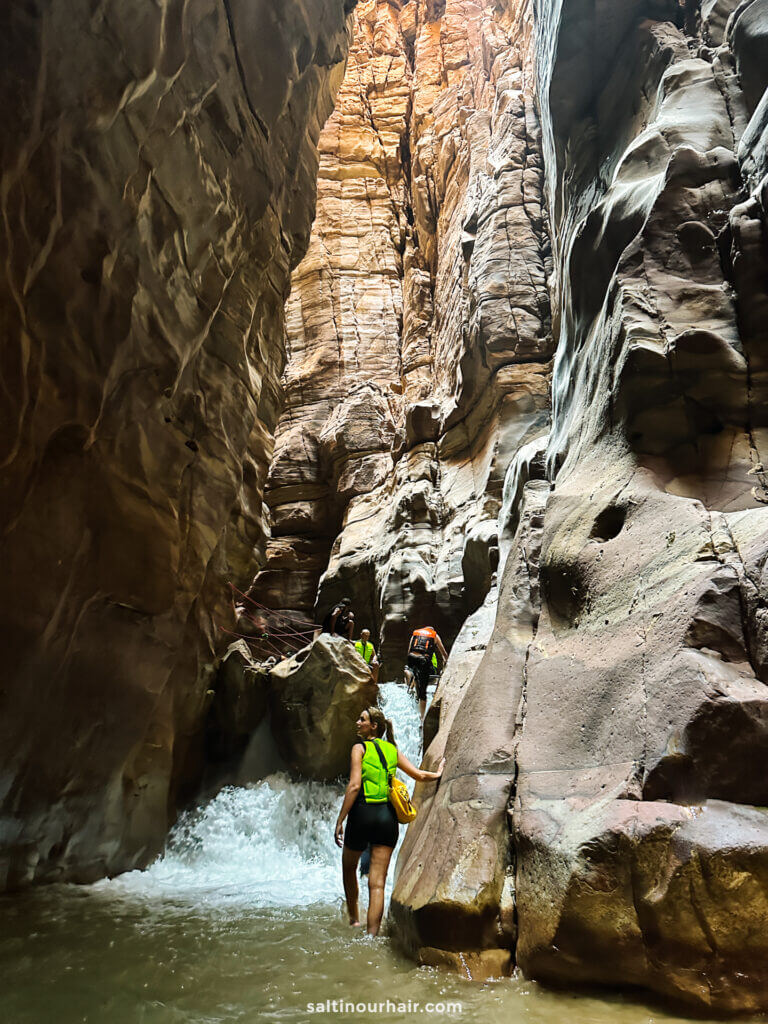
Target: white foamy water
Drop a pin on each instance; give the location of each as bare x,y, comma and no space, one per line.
403,710
266,845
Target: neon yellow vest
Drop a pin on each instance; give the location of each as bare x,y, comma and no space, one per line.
364,650
375,781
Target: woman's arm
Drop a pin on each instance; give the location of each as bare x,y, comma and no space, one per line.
353,788
417,773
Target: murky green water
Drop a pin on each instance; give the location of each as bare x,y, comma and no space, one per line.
241,921
73,955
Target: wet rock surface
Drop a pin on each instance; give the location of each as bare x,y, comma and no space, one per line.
158,181
239,704
648,656
501,181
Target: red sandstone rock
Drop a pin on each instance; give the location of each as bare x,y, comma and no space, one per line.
417,334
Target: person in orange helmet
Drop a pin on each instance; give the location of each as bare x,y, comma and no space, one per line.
418,665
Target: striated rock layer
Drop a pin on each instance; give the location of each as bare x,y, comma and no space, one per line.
158,175
418,325
619,715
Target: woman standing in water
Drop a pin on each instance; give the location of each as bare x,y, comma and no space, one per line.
372,818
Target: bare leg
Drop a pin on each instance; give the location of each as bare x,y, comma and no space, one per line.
408,678
349,859
422,709
377,877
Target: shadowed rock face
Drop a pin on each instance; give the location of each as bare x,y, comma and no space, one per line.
158,179
603,716
650,654
626,672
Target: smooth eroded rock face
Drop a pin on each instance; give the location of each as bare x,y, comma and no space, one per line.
626,672
455,874
315,699
158,178
239,704
501,180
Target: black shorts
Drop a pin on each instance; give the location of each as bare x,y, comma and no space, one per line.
371,823
422,670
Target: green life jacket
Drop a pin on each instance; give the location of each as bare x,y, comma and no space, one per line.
364,650
375,781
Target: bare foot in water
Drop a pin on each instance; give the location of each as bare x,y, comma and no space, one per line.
352,917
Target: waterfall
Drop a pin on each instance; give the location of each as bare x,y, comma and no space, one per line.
266,845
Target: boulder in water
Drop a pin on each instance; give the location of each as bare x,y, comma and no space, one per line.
315,698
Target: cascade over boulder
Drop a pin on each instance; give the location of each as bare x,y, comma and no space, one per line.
503,182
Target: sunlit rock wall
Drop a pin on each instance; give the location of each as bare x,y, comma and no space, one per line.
158,176
418,325
619,716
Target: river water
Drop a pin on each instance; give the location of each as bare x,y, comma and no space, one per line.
241,920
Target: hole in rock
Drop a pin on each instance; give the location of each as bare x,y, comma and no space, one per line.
609,523
564,592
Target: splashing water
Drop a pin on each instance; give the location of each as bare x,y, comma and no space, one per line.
402,708
239,921
266,845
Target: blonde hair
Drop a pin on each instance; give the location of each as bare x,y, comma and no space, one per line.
381,724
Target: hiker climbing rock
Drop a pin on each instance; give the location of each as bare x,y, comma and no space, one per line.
418,666
365,649
340,620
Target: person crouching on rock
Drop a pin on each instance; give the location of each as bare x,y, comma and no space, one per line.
419,664
369,815
340,620
364,648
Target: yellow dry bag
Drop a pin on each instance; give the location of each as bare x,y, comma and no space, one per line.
399,796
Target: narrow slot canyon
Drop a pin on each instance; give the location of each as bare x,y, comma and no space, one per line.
455,311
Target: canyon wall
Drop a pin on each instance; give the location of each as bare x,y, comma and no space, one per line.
417,330
503,181
158,177
617,722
